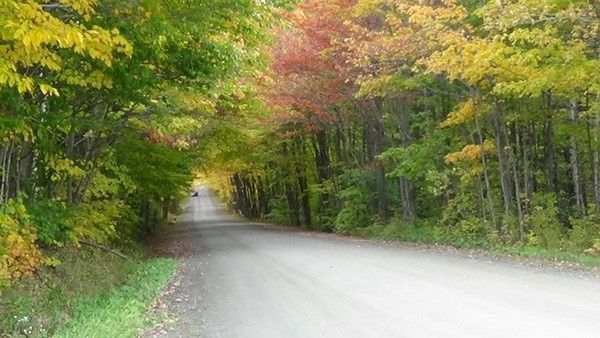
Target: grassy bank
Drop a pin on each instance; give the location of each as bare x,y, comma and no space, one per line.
432,235
90,294
550,255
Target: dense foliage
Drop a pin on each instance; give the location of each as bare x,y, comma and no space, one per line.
462,121
107,109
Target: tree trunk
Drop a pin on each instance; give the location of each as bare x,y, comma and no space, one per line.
527,177
574,161
550,151
517,185
322,161
485,172
503,166
409,211
291,188
407,190
374,133
596,152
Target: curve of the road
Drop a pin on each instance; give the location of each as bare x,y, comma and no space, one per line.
246,280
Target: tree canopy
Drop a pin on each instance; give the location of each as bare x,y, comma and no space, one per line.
471,123
108,109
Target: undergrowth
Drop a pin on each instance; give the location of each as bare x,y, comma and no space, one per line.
91,293
468,235
122,311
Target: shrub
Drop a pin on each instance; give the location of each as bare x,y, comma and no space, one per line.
595,248
585,235
19,255
474,232
355,198
279,213
546,229
459,208
98,220
53,222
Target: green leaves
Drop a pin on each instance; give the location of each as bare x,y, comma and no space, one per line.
107,107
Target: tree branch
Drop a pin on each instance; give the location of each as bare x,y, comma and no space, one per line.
102,247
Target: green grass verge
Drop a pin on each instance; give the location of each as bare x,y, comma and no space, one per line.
550,255
436,235
122,311
86,286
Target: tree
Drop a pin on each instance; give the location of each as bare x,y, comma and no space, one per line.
91,90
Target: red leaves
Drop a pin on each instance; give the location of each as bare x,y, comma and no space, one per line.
171,140
307,78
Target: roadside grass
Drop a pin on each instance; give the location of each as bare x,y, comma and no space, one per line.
550,255
122,311
82,295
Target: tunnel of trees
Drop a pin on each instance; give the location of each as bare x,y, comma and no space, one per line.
466,122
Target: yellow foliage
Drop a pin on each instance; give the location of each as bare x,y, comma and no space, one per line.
62,167
32,37
19,255
97,220
22,256
465,112
471,152
521,48
21,133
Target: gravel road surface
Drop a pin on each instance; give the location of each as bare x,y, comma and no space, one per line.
248,280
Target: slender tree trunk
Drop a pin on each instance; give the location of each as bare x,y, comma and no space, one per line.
483,201
291,188
322,161
503,166
550,151
485,172
517,185
596,161
3,172
409,211
8,172
527,184
407,191
338,144
303,184
17,174
574,161
374,133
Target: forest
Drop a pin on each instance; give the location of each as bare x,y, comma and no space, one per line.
108,109
469,123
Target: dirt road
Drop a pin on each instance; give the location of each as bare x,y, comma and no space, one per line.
245,280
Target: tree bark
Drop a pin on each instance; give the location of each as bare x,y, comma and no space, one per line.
323,165
374,133
550,151
503,165
303,183
291,190
517,185
485,170
596,161
574,161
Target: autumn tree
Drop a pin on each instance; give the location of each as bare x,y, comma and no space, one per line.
478,119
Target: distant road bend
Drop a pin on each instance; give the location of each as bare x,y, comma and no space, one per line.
245,280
